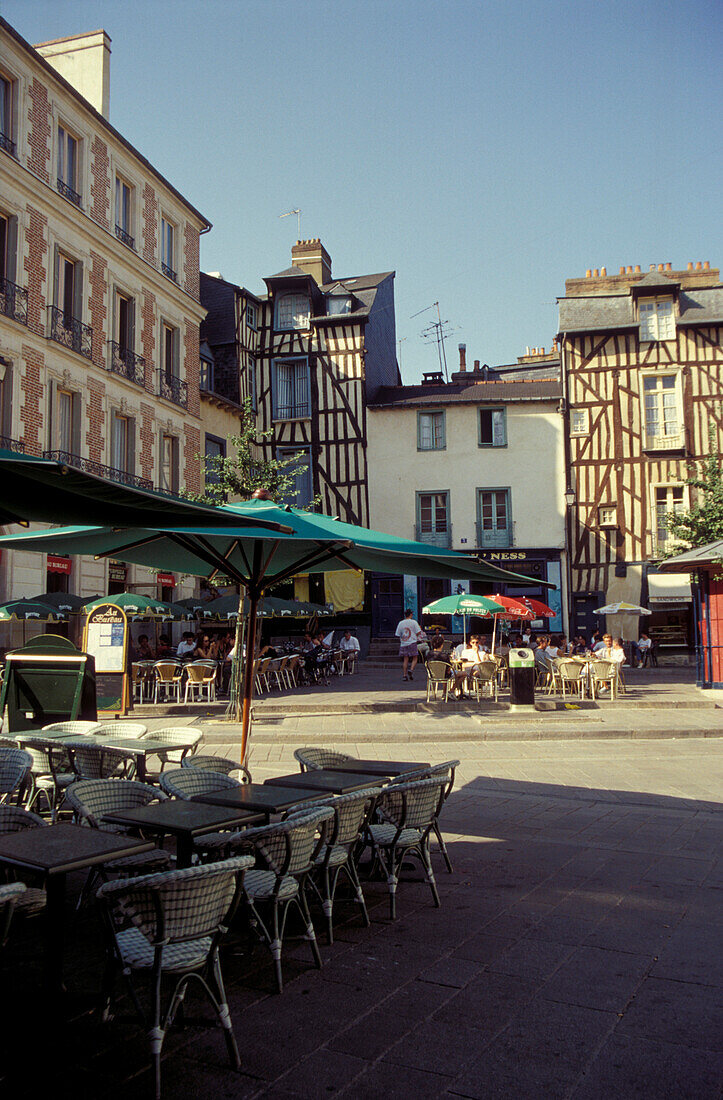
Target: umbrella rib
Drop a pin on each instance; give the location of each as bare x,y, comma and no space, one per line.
209,555
323,551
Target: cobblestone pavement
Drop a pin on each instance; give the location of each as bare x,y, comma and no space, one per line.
576,952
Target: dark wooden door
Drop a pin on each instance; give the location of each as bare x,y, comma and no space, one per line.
387,604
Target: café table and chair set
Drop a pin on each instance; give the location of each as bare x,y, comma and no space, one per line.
164,680
577,677
269,848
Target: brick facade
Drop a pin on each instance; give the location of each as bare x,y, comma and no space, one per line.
39,133
100,194
31,410
191,355
148,335
191,478
150,225
36,243
97,308
95,412
147,440
191,261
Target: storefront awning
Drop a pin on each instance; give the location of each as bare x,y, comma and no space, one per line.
667,588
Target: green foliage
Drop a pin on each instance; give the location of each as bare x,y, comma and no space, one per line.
238,474
703,522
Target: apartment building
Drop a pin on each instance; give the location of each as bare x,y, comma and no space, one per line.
99,297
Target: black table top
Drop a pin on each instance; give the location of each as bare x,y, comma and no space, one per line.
259,796
379,767
61,848
333,782
177,816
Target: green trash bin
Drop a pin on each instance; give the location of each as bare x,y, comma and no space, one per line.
48,680
522,677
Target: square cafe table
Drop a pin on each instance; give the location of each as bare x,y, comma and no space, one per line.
381,768
260,797
53,852
184,820
332,782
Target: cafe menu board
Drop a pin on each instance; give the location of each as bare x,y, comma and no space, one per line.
106,639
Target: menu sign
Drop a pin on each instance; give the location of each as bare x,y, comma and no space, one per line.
106,639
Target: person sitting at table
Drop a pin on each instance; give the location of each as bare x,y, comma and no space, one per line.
616,652
579,646
268,651
143,650
517,641
645,648
471,657
203,651
349,644
542,658
600,648
186,646
164,647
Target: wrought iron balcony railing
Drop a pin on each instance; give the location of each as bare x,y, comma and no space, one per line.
68,193
7,144
70,332
502,538
442,539
172,388
14,301
126,362
97,468
169,272
124,237
9,444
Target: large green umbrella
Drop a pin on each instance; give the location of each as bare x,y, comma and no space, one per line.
257,560
142,607
26,610
228,607
464,604
63,601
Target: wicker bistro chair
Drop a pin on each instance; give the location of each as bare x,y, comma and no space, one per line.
79,728
10,895
129,730
170,925
447,771
409,811
13,819
315,759
217,764
51,772
168,676
290,849
573,677
185,783
484,677
172,735
90,800
438,678
340,841
99,761
201,676
15,771
604,674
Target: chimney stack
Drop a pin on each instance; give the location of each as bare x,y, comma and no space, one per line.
463,357
312,257
84,61
476,364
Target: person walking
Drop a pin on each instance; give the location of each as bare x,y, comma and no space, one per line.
408,630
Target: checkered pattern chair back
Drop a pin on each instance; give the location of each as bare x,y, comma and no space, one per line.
413,805
185,783
314,759
92,798
289,847
78,728
177,906
217,764
571,670
438,671
486,671
99,761
175,735
13,819
121,729
14,766
48,756
201,672
350,813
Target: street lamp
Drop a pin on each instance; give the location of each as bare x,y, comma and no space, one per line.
570,496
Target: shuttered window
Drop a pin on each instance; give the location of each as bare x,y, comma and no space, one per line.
492,428
430,431
292,311
291,398
657,319
495,520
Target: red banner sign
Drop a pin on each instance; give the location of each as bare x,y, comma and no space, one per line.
59,565
166,580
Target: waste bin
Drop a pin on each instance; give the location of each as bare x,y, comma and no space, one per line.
48,680
522,678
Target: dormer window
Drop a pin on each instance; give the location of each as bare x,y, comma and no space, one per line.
657,318
292,311
338,304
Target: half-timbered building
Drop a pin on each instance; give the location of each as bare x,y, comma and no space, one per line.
642,370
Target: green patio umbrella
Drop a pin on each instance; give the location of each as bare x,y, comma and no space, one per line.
228,607
141,607
464,604
64,601
256,559
26,610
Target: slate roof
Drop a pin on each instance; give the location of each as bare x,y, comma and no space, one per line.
655,280
361,287
217,295
494,393
697,306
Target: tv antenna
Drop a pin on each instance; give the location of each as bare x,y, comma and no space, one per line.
298,219
436,331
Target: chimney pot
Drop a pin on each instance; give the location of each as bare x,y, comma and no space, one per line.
698,266
690,265
595,273
527,350
630,269
622,271
476,364
652,267
668,267
588,273
706,265
660,267
463,357
637,269
603,271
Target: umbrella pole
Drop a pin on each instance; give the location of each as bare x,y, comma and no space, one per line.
494,629
248,676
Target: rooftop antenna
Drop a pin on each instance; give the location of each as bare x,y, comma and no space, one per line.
400,341
298,219
437,330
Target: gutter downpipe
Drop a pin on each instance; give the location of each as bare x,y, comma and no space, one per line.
568,472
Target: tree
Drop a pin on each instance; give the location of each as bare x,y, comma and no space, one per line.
703,522
237,475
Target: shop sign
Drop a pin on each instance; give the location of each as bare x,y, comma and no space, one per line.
59,565
166,580
116,571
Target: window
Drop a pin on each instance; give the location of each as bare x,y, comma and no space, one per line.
13,299
433,518
579,421
205,375
430,431
122,443
66,297
66,326
7,115
251,381
68,166
215,450
168,463
302,490
168,249
657,319
338,304
124,212
251,315
492,428
607,516
169,351
292,311
495,523
663,412
291,389
668,499
125,322
6,396
64,418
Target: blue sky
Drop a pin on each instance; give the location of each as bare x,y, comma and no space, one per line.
484,151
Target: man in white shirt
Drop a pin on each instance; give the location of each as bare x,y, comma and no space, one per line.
408,631
349,642
186,647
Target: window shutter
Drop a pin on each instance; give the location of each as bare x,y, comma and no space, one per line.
6,392
113,440
77,399
175,472
11,248
52,403
78,290
132,324
131,446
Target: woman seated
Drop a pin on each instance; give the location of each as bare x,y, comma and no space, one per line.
203,651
